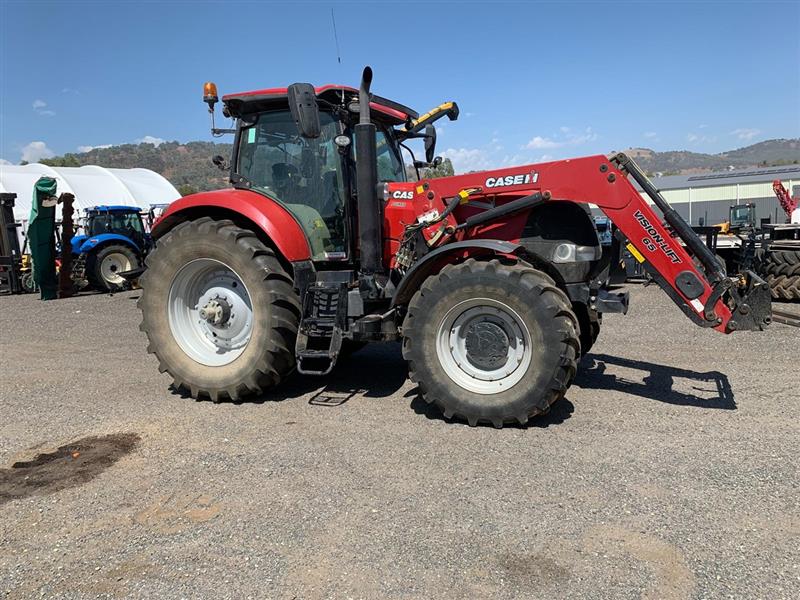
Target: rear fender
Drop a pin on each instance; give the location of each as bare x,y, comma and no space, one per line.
94,241
274,221
434,261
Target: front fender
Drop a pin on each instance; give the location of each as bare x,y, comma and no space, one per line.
434,261
92,242
77,242
274,220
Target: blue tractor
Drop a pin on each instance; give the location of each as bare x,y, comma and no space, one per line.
114,242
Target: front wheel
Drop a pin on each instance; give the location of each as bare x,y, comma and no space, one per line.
219,310
491,342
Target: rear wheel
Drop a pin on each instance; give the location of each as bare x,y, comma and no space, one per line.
781,269
104,266
489,342
219,310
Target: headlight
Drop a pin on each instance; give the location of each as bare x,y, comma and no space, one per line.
567,253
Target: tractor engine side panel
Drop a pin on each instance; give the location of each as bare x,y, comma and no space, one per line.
407,202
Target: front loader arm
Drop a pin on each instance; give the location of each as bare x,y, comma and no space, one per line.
702,291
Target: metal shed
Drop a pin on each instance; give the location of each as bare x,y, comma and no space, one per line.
708,196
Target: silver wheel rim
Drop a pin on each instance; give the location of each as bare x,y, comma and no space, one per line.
484,346
198,289
112,265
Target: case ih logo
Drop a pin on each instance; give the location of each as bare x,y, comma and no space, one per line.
399,195
493,182
656,240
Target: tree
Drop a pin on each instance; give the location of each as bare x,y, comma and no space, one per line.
445,169
185,189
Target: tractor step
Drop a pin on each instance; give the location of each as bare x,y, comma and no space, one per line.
319,338
311,361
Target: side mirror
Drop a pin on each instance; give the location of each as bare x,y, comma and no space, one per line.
430,143
305,112
220,162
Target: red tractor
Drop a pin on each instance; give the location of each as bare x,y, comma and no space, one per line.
495,281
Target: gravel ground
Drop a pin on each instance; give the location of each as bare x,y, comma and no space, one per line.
669,471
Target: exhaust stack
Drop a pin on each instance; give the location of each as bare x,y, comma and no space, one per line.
370,210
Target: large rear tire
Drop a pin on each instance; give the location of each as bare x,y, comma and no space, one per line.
491,342
219,310
104,266
781,270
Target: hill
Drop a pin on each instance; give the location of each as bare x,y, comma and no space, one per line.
678,162
189,168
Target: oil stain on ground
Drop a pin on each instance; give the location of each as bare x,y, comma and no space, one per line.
70,465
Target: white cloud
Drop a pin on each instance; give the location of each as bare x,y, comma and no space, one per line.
745,133
3,161
82,149
35,151
702,126
68,90
40,108
567,138
650,134
587,136
149,139
467,159
702,139
542,142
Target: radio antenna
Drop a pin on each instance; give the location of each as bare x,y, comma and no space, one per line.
336,37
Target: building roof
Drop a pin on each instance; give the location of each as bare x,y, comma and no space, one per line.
91,185
762,175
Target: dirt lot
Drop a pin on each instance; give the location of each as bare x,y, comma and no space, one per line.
669,471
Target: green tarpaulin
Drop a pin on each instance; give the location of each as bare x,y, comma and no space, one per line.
41,236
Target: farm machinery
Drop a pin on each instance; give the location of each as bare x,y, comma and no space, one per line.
771,249
495,281
114,242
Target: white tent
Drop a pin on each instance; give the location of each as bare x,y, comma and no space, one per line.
91,185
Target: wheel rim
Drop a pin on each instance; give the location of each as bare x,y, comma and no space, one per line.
210,312
484,346
112,265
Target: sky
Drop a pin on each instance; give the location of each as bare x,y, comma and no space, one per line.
534,80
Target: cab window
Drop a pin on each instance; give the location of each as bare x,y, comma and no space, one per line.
304,175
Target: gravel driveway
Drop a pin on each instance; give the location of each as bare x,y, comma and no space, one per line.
669,471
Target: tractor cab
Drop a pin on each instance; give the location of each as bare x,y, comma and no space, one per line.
298,146
742,216
121,220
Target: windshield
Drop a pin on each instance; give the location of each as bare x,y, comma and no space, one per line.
305,175
129,224
740,215
390,167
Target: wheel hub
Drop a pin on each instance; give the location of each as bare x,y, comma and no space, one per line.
484,346
210,312
216,312
112,265
487,345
